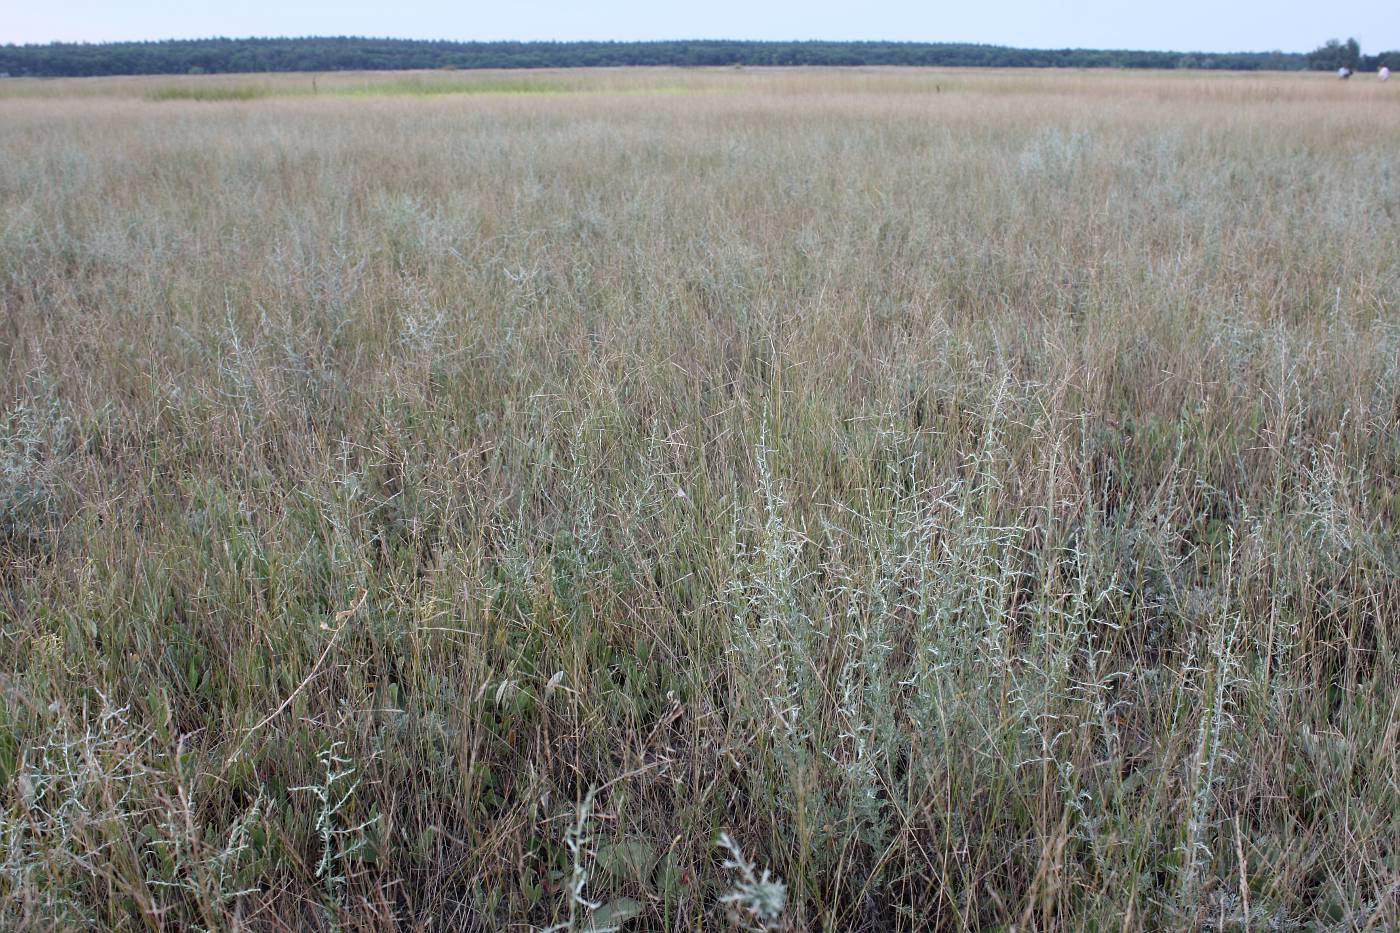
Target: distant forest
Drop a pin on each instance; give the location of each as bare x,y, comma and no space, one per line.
209,56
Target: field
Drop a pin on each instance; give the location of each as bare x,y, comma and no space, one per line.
784,500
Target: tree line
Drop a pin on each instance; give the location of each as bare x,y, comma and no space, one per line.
220,55
1336,54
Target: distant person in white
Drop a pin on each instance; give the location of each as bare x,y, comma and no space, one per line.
1385,73
1344,72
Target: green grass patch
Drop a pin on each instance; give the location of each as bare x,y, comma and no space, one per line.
241,92
415,87
406,87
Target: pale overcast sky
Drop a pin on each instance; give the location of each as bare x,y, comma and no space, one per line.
1194,25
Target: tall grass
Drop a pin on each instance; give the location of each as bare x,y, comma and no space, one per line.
869,500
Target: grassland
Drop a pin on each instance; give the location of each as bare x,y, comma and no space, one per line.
969,498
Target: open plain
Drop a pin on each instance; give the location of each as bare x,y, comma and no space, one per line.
773,499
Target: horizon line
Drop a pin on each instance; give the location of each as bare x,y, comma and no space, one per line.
927,42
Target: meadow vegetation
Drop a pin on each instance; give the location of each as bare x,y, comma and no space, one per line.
833,500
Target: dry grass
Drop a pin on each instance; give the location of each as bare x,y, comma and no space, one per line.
972,494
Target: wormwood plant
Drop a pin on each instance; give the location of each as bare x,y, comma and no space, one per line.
757,900
583,915
33,441
341,839
70,823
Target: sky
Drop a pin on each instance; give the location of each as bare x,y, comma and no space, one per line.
1182,25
